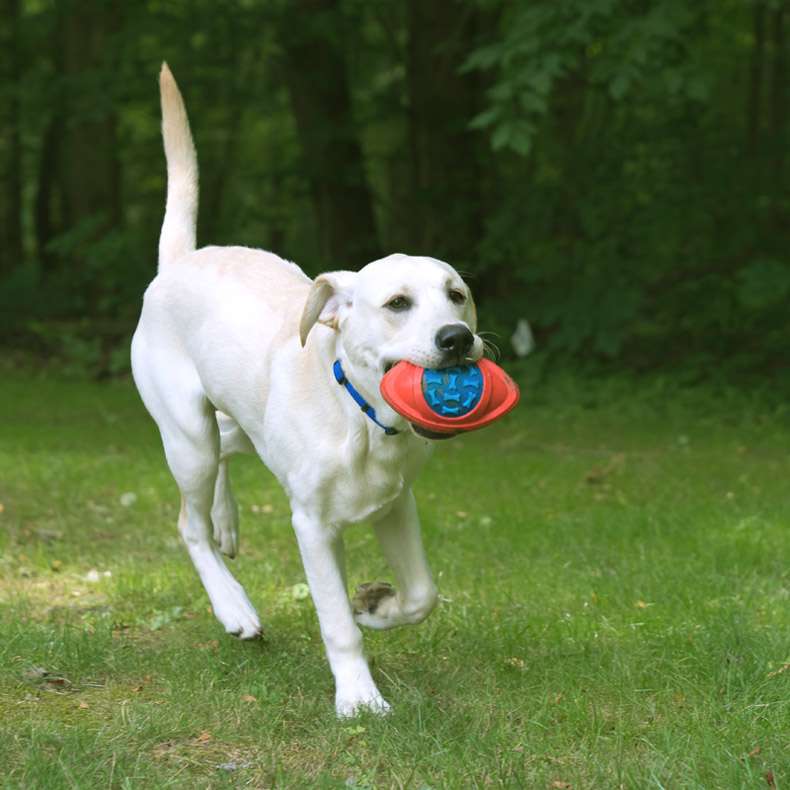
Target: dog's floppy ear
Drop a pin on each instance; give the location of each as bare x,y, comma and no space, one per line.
330,295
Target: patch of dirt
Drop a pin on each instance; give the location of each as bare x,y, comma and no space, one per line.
202,750
52,593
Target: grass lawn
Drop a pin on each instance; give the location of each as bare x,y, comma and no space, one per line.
614,562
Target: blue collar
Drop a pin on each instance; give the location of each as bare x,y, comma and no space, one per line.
367,409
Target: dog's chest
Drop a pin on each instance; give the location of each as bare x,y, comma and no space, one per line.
369,479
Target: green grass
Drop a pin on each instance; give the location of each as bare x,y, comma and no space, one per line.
615,569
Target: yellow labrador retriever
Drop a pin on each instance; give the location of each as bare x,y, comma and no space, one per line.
237,350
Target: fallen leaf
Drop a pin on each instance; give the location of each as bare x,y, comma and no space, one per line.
558,784
754,752
769,777
248,698
204,737
83,706
642,605
300,591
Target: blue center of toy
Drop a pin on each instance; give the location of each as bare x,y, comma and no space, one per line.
452,392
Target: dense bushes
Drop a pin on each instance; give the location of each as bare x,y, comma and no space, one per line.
614,171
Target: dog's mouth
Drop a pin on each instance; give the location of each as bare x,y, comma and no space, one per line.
450,362
433,435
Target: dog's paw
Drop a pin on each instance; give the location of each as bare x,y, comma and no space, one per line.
369,596
346,707
240,622
375,604
234,610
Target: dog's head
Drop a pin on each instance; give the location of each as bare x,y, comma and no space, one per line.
401,307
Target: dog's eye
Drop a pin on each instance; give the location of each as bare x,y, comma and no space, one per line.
398,304
456,296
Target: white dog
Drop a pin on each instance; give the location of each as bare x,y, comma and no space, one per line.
237,351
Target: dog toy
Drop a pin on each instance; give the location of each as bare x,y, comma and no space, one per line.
443,402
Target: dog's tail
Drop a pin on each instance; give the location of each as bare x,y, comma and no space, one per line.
178,229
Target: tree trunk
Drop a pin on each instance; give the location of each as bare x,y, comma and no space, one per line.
756,69
315,73
445,213
10,143
89,163
44,222
779,97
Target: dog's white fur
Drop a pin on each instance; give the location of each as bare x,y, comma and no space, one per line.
234,353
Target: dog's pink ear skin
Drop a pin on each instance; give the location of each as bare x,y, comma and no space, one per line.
328,295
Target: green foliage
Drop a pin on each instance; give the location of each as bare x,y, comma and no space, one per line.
624,185
617,49
629,198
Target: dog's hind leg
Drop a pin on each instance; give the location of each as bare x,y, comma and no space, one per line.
191,440
224,510
193,456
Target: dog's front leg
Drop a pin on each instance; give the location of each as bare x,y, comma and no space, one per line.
378,604
322,559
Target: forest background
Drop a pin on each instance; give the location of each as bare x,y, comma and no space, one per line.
613,171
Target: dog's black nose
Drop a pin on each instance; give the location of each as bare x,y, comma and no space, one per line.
454,339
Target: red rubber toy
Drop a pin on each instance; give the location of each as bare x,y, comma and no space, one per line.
444,402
